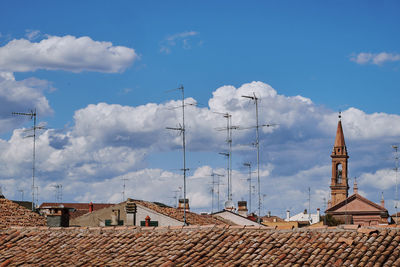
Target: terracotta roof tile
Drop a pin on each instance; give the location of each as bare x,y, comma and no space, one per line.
191,217
198,246
12,214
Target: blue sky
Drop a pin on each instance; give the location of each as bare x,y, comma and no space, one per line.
338,55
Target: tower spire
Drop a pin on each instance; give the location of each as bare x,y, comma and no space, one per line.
339,182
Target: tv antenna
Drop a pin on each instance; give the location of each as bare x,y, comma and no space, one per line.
248,164
309,205
396,160
213,183
22,194
182,131
257,126
229,127
37,195
123,188
32,115
58,193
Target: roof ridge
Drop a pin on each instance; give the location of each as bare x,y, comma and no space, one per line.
212,227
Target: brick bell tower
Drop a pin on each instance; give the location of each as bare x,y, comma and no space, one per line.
339,183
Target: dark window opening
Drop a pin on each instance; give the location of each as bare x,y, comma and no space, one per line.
339,173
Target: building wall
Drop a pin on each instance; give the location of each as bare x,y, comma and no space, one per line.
98,218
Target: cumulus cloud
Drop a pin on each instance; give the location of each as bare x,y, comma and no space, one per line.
375,58
109,141
16,96
172,40
32,34
67,53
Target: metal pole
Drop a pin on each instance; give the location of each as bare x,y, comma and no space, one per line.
212,192
184,155
249,179
230,158
258,161
396,158
34,159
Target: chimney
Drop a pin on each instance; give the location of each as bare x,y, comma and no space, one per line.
91,207
305,211
147,221
183,204
287,215
269,214
382,201
318,212
242,208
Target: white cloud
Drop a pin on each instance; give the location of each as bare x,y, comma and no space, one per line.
32,34
108,142
21,96
375,58
172,40
65,53
381,179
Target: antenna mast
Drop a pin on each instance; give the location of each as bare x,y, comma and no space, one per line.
255,99
309,204
58,193
396,159
215,182
123,188
248,164
182,130
22,194
32,114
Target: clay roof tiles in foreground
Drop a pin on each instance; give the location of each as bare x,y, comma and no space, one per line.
199,246
12,214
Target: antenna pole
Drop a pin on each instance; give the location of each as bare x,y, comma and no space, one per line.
182,129
184,154
212,192
22,194
396,159
255,99
32,114
123,188
248,164
309,204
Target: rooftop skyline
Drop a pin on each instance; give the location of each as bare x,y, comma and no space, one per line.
98,74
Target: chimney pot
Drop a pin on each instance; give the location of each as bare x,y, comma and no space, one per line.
91,207
287,215
242,208
147,221
183,204
269,214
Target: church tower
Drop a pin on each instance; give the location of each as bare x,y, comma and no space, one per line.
339,183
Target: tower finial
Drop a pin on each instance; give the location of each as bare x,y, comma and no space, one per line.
340,115
355,186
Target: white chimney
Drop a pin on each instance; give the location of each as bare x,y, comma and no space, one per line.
242,208
287,215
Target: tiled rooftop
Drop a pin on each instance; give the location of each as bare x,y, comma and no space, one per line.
80,208
191,217
199,246
12,214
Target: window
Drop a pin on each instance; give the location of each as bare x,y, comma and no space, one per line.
339,173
